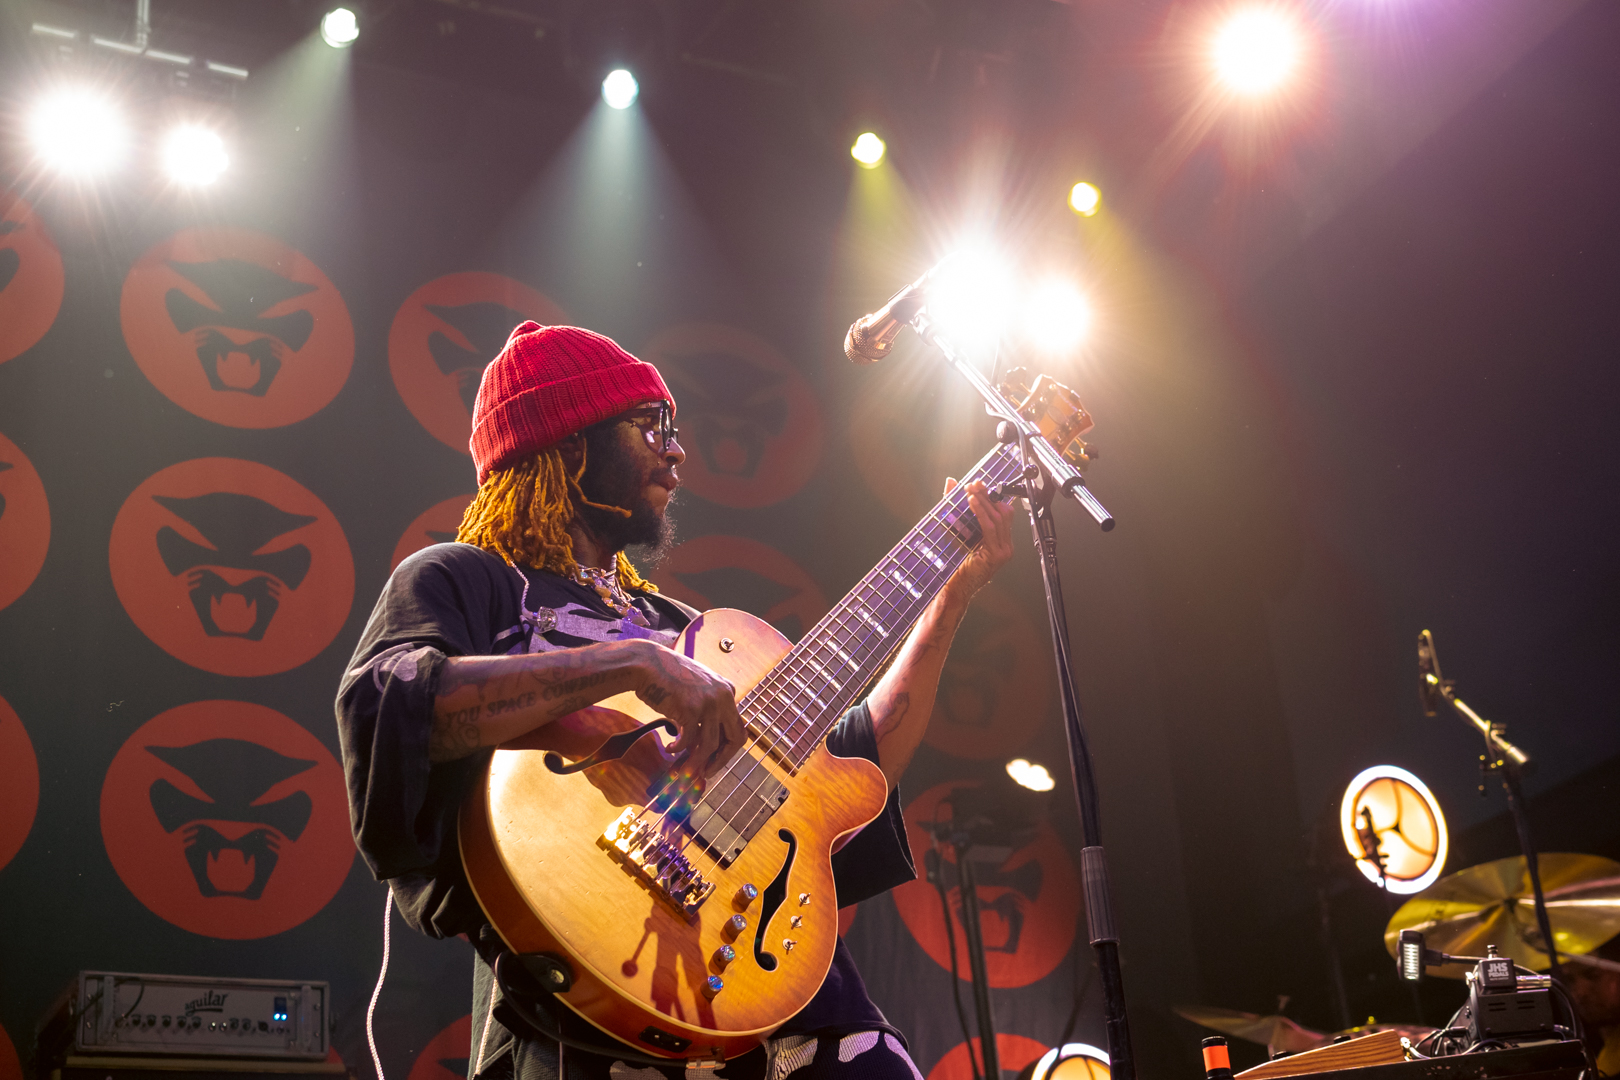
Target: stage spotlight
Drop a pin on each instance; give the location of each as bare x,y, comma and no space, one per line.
339,28
1256,50
868,150
1056,316
194,156
1389,815
619,89
79,132
1030,775
1075,1061
1084,199
971,297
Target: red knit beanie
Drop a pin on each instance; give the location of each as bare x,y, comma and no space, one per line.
549,382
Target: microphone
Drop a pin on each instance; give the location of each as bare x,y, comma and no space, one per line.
870,337
1430,684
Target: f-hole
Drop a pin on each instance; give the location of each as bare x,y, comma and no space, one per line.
775,894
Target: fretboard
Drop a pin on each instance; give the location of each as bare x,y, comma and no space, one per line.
794,706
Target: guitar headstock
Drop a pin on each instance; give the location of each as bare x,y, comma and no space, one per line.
1055,409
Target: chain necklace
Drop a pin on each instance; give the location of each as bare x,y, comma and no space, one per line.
606,584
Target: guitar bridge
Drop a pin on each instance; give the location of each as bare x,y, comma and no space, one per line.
654,858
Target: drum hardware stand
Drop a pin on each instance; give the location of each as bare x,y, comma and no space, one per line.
1508,763
1048,472
1373,852
1324,912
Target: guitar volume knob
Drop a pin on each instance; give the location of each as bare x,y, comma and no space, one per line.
712,986
734,926
746,895
724,955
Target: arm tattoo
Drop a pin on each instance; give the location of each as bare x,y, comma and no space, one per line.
455,732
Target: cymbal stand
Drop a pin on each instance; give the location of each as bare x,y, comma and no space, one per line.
1048,474
1508,763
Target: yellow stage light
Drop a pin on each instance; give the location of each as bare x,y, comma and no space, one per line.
1256,50
868,150
1030,775
1084,199
1406,820
79,132
1076,1061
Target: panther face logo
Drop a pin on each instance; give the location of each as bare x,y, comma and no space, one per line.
227,819
444,336
231,566
237,327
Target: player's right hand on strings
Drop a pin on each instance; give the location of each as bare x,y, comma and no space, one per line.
700,702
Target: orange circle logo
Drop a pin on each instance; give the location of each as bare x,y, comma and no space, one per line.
1029,906
227,819
436,525
232,567
750,424
996,686
732,572
1013,1051
25,522
10,1067
237,328
445,1055
30,277
445,334
19,784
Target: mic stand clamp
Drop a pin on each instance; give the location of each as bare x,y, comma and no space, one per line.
1048,473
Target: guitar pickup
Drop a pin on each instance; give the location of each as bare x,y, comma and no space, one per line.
736,805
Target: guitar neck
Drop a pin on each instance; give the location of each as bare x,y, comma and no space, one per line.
794,706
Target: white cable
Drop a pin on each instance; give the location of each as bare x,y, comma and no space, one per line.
371,1010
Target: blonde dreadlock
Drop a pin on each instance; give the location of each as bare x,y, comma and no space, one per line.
521,513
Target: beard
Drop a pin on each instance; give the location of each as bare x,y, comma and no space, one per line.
616,476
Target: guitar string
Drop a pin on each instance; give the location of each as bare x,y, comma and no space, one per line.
933,534
755,764
889,592
951,504
793,664
814,685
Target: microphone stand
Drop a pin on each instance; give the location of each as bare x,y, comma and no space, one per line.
1509,762
1048,473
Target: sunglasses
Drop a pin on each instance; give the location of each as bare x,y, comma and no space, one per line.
656,423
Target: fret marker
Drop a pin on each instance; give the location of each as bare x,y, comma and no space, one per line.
905,583
928,553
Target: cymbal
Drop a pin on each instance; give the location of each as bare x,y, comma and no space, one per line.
1273,1032
1491,904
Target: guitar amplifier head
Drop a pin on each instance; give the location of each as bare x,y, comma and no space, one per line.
108,1012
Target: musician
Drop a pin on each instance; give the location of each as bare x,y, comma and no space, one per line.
535,613
1596,990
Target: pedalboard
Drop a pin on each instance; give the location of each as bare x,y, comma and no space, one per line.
107,1012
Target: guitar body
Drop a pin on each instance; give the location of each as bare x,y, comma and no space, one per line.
532,844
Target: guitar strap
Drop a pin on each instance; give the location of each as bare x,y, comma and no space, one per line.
574,620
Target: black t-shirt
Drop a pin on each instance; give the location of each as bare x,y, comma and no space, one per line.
460,600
